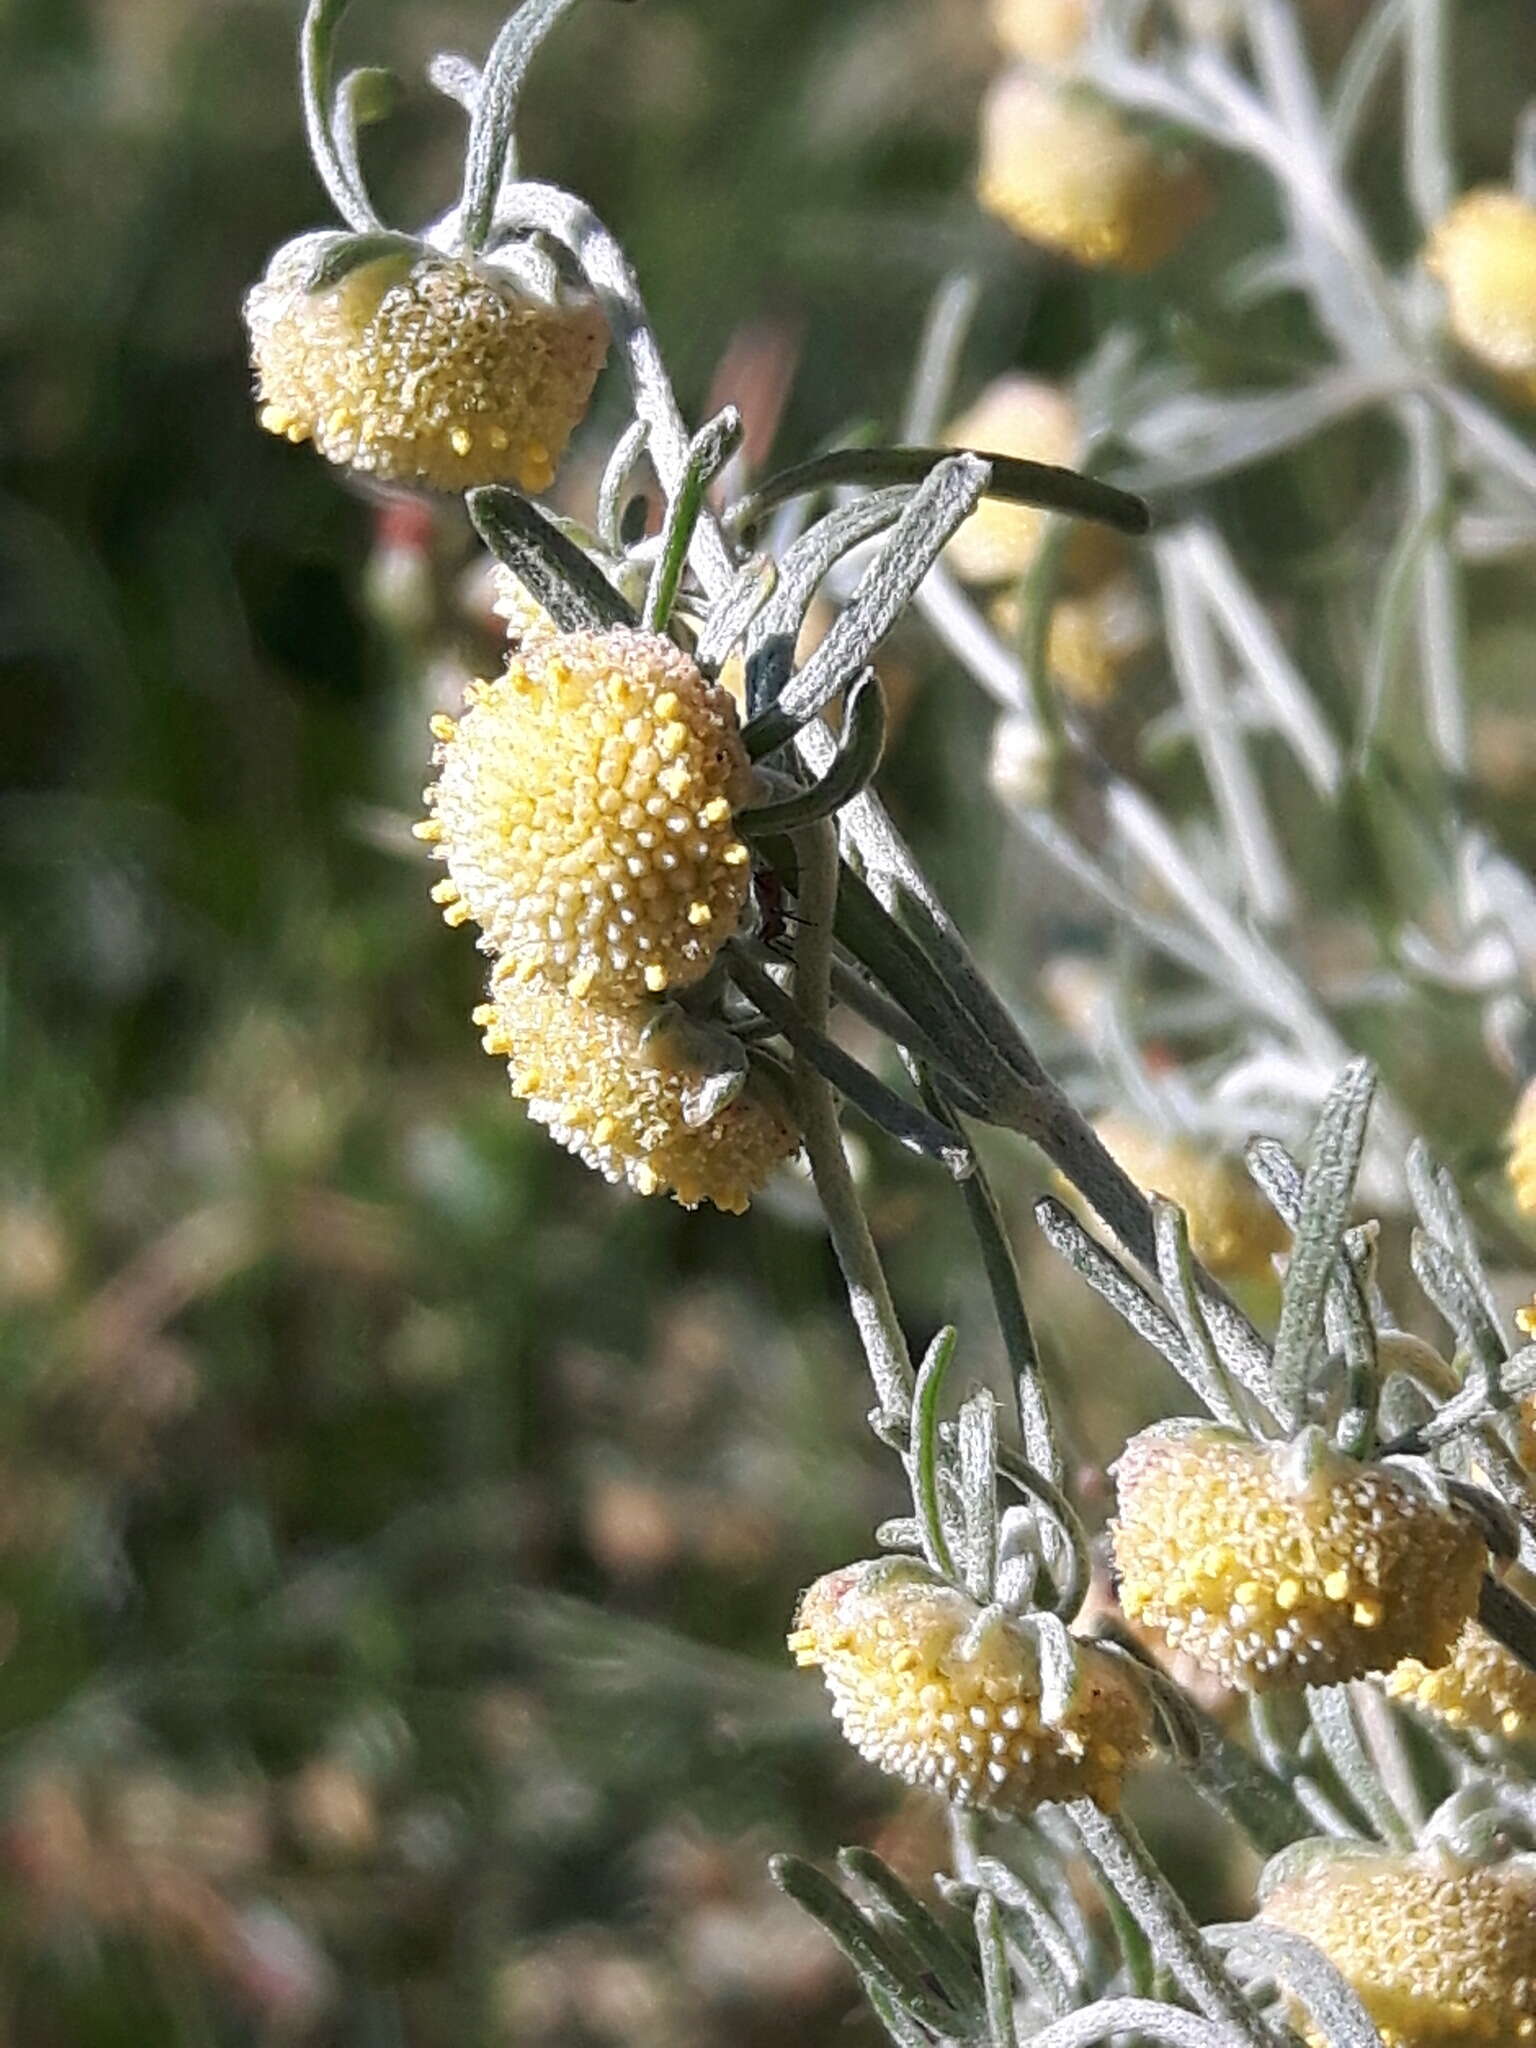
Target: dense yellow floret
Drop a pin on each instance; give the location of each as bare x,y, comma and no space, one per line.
1441,1953
1484,1687
1232,1229
426,370
622,1089
1041,31
1520,1158
584,805
1089,641
1068,172
1287,1564
941,1692
1484,254
513,602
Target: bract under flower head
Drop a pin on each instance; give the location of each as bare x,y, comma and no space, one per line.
584,806
425,370
942,1692
1068,172
627,1091
1287,1564
1484,254
1440,1952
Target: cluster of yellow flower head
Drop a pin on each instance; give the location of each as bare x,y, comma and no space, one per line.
1484,255
944,1693
423,369
1440,1951
1288,1564
584,807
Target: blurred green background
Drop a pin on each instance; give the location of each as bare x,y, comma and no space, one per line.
397,1526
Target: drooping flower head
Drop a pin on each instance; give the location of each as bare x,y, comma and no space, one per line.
1441,1952
423,369
630,1091
584,806
1287,1564
1484,254
1483,1688
1069,173
942,1692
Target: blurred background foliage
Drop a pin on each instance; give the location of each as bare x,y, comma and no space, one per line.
397,1526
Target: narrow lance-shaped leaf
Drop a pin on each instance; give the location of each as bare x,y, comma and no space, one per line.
558,574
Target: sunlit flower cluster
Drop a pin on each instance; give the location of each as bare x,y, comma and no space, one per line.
939,1691
1484,255
1285,1565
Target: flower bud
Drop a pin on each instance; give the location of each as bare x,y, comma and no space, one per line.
942,1692
635,1094
1068,172
1287,1564
1041,31
1441,1952
584,805
1232,1229
424,369
1484,254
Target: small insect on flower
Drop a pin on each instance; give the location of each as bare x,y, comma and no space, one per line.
1441,1952
584,806
1232,1229
1287,1564
423,369
1484,1688
1484,254
942,1692
1066,171
632,1092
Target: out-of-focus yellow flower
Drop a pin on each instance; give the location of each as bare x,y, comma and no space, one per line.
1089,641
623,1089
1484,1687
941,1692
1440,1952
1520,1157
1287,1564
1068,172
425,370
1484,254
1035,422
584,805
1041,31
1232,1229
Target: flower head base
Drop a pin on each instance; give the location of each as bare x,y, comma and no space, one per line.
1232,1229
1067,172
1041,31
423,370
941,1692
1287,1564
1520,1162
1440,1952
584,806
628,1092
1484,254
1484,1689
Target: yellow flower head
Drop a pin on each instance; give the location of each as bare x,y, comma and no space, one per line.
1089,641
1067,172
1520,1159
1232,1229
1484,1687
1484,254
1440,1952
1041,31
512,601
584,805
625,1090
1035,422
937,1690
423,370
1287,1564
